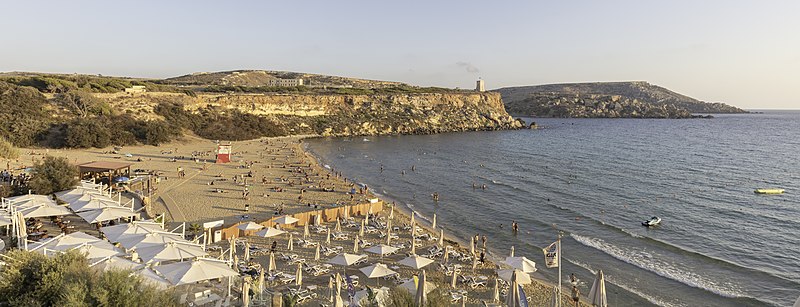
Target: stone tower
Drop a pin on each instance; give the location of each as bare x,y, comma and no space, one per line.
480,87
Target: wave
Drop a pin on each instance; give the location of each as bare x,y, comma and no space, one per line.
643,259
609,279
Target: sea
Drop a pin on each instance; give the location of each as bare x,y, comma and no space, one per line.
594,181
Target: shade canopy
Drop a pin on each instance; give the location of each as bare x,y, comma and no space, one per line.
285,220
117,263
250,226
43,210
187,272
147,239
345,259
522,278
113,233
381,249
170,251
269,232
521,263
597,295
415,261
91,247
91,202
412,286
106,214
5,220
377,270
27,197
151,277
69,196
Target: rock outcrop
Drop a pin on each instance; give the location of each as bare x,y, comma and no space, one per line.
343,115
592,106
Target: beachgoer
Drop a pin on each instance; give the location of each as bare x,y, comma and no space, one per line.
572,279
576,296
484,241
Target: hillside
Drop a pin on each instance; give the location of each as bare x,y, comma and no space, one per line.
256,78
582,99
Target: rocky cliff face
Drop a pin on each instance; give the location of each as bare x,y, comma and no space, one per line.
344,115
592,106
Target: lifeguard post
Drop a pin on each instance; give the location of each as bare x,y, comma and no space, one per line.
223,153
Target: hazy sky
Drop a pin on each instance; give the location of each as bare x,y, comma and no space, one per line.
746,53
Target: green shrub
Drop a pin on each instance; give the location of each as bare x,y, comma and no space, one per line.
7,150
53,174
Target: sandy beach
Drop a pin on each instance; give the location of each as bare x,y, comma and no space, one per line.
275,176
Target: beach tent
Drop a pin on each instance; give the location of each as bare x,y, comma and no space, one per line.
415,261
345,259
420,297
521,263
170,251
106,214
200,269
249,226
116,263
597,295
269,232
148,239
152,278
520,277
381,249
113,233
286,220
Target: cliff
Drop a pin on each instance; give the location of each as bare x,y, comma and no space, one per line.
339,115
638,96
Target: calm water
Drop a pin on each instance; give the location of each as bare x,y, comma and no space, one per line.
596,180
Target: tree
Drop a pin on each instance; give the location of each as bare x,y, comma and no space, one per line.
195,228
53,174
7,150
82,103
33,279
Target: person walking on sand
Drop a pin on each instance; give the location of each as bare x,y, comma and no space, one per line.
576,296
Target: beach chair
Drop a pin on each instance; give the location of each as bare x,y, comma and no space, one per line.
475,283
296,261
455,297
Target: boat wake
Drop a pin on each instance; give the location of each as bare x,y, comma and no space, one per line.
646,260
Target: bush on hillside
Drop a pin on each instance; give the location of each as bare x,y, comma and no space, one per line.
82,104
7,150
53,174
65,279
23,114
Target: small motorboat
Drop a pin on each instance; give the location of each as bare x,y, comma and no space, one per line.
769,191
653,221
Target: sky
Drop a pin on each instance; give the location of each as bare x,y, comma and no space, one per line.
744,53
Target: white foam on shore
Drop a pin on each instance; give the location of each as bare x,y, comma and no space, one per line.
610,279
645,260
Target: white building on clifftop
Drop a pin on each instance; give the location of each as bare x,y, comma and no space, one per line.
480,87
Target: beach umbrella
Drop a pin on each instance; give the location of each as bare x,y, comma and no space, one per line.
150,277
272,267
411,286
415,261
261,281
521,277
554,299
512,251
92,202
420,296
496,292
381,249
446,255
141,240
345,259
116,263
316,253
170,251
286,220
106,214
361,231
433,223
355,244
597,295
290,245
337,301
269,232
317,220
346,211
69,196
246,251
113,233
391,212
521,263
472,246
306,233
91,247
43,210
441,237
298,279
245,294
377,270
453,280
35,198
328,238
200,269
474,263
413,245
388,236
338,282
412,218
366,218
249,226
512,299
338,227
